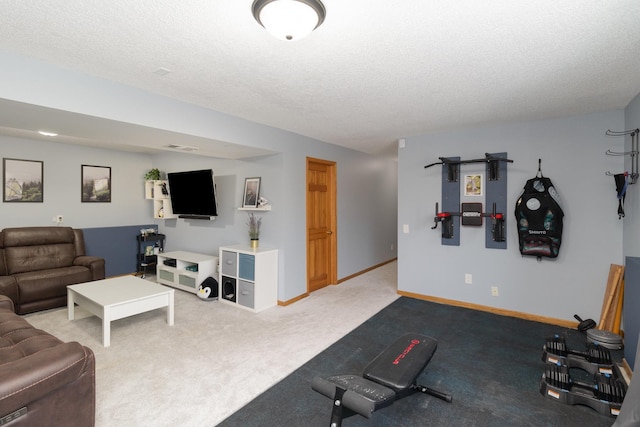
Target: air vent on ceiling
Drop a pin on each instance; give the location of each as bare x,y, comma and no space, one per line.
162,71
182,147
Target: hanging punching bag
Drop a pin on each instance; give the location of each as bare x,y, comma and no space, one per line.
539,218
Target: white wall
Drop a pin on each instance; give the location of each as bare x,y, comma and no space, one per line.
573,156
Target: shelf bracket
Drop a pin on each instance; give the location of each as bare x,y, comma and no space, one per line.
633,153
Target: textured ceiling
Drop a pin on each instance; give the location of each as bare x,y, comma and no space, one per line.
375,71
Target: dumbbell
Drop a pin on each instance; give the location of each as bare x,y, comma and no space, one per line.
605,387
595,353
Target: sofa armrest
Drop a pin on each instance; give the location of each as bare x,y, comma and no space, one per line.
8,290
93,263
6,303
32,377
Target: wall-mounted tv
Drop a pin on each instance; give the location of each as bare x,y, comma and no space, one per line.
193,194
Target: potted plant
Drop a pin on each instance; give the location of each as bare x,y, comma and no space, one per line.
153,174
254,229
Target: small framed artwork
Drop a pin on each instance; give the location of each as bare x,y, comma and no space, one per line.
251,192
23,180
473,185
96,183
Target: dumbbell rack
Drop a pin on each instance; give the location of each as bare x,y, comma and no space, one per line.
604,393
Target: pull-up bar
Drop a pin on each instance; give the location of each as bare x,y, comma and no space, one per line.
489,158
453,166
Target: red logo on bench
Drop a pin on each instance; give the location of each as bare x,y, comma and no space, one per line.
406,351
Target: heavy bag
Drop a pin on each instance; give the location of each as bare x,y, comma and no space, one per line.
539,218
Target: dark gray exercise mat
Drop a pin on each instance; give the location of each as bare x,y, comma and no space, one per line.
490,364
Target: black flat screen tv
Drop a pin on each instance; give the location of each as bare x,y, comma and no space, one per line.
193,194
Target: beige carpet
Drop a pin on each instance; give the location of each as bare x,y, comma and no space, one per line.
216,357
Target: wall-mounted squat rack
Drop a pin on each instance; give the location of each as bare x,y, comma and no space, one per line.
633,153
495,196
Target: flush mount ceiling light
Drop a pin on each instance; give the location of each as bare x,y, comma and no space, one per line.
289,19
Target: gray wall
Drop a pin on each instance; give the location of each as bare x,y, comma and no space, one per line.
62,166
573,156
367,214
631,313
367,185
632,201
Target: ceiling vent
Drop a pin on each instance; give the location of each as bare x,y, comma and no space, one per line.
162,71
182,147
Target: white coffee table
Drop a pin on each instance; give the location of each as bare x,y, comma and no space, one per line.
119,297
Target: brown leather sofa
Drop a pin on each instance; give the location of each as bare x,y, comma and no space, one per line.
37,264
43,381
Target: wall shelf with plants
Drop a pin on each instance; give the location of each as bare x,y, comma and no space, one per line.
157,189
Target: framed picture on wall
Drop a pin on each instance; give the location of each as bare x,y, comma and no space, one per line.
473,185
96,184
251,192
23,180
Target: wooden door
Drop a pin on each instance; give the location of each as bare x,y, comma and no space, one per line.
321,224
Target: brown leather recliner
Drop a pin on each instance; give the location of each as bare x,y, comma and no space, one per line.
37,264
43,381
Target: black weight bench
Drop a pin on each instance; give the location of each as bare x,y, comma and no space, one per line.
390,376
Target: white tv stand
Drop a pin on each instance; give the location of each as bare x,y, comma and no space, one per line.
190,271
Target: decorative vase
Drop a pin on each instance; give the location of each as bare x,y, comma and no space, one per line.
254,243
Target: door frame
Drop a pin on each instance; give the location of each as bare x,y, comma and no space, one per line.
332,274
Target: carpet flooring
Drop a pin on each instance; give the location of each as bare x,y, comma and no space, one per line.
216,357
490,364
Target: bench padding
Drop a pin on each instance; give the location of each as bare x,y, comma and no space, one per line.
393,371
399,365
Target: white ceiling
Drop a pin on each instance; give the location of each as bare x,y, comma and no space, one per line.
375,71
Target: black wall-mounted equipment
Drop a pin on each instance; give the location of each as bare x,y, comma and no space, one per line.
539,218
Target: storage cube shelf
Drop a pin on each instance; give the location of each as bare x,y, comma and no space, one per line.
249,277
189,272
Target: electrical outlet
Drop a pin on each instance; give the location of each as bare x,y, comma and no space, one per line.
58,219
468,279
405,228
494,291
392,247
